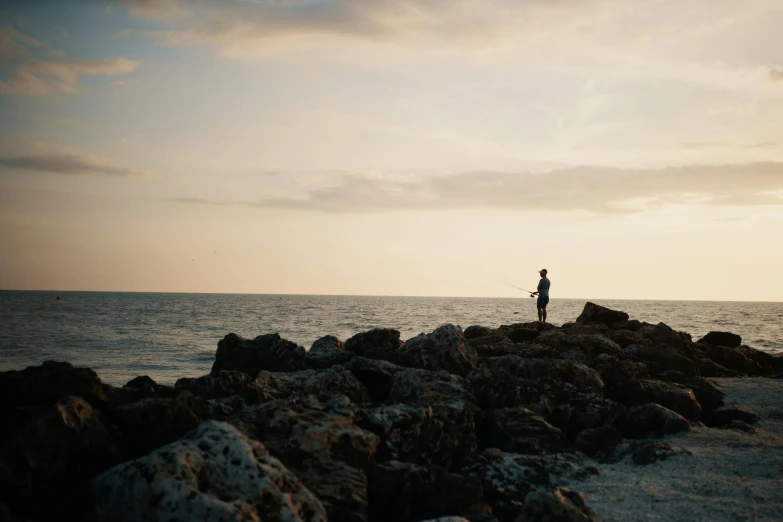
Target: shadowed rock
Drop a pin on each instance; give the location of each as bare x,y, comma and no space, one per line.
560,505
555,369
48,383
599,443
593,313
335,379
213,474
725,416
709,395
444,349
326,352
229,383
379,343
519,430
727,339
673,396
652,451
653,419
267,352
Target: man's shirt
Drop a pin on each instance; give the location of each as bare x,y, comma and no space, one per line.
543,287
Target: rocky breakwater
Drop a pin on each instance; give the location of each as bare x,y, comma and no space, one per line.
488,424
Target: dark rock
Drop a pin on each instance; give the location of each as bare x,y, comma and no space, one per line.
584,329
580,348
48,383
725,416
497,388
770,364
561,505
519,430
142,381
599,443
709,395
625,338
738,425
332,380
559,370
404,492
444,349
326,352
631,324
379,343
214,473
666,357
48,456
573,410
653,419
151,423
593,313
267,352
508,478
320,443
736,360
649,452
495,340
727,339
672,376
376,376
523,335
709,368
472,332
227,384
673,396
617,372
661,333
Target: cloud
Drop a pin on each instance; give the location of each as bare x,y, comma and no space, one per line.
776,75
156,10
40,78
592,189
65,163
14,45
693,145
244,29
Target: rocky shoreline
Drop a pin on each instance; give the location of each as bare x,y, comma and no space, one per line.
485,424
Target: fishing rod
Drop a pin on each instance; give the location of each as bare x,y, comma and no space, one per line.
518,288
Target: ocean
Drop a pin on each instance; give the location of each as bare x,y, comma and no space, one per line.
168,336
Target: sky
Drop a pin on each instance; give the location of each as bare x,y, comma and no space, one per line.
634,148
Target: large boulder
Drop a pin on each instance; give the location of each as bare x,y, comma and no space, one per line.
404,492
724,416
444,349
625,338
227,383
599,443
735,359
570,372
666,358
709,395
267,352
662,333
321,444
48,383
560,505
378,343
508,478
637,392
727,339
494,387
653,419
326,352
572,410
335,379
593,313
48,456
213,474
709,368
151,423
519,430
582,348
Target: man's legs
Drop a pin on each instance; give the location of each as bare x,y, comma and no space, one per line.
544,314
541,315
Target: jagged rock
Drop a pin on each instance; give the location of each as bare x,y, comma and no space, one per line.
267,352
709,368
48,383
48,455
727,339
579,347
738,425
497,388
413,386
472,332
725,416
593,313
599,443
675,397
653,419
152,423
672,376
442,434
444,349
649,452
584,329
379,343
493,340
559,370
572,410
404,492
326,352
519,430
147,387
709,395
667,357
508,478
523,335
561,505
375,375
229,383
734,359
213,474
769,363
624,338
316,382
631,324
616,373
320,443
662,333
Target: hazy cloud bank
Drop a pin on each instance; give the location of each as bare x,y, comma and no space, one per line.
593,189
65,163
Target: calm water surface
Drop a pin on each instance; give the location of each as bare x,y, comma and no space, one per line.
168,336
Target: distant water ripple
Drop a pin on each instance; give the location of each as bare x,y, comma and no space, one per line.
168,336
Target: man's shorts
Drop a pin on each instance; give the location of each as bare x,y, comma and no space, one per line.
543,300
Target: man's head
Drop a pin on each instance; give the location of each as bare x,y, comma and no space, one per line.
542,272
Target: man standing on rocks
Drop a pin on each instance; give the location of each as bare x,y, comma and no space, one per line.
543,295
